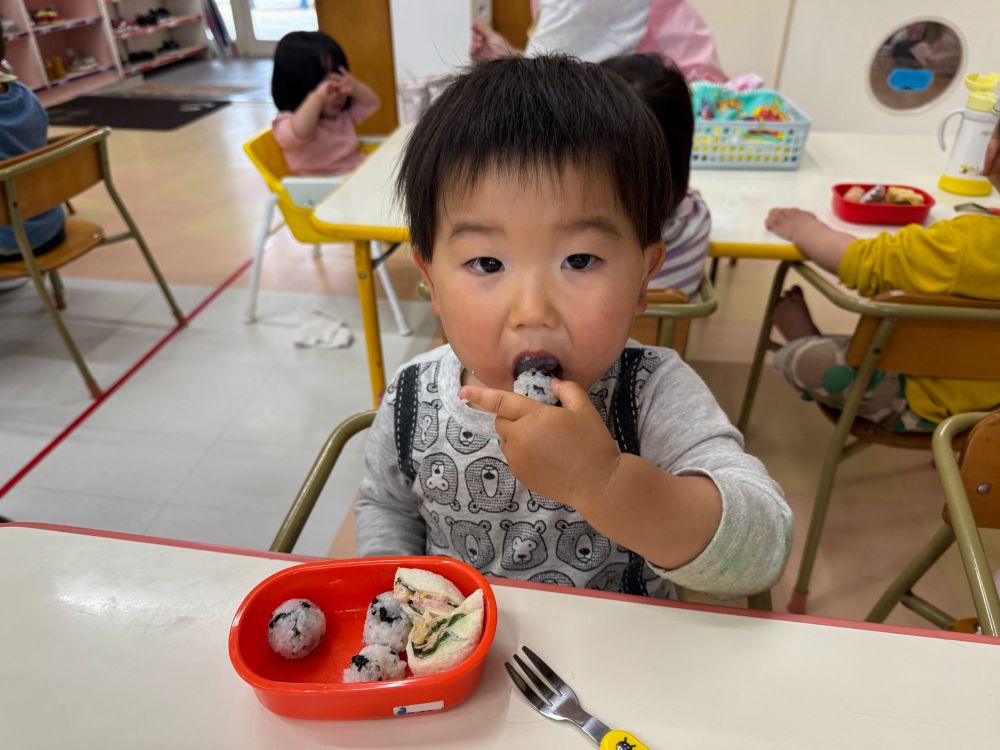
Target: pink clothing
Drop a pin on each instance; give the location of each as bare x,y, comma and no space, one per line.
675,30
334,147
597,29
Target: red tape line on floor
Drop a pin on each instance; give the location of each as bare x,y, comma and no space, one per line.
119,383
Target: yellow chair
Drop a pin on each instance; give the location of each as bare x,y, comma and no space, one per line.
925,335
48,177
972,493
266,156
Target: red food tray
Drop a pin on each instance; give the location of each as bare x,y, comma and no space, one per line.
313,687
879,213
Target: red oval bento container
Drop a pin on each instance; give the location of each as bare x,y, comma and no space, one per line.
312,687
879,213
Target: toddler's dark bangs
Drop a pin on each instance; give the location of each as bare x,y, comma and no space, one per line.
521,116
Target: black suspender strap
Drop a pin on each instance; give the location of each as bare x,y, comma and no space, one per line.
623,416
405,423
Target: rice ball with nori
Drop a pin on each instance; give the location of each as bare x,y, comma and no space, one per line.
386,623
535,384
374,663
296,627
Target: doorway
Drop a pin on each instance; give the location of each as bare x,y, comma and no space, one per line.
257,25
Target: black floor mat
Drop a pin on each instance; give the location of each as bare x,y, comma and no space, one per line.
133,112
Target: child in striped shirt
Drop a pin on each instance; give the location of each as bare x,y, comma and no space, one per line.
662,86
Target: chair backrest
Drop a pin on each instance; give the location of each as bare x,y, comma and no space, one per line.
50,176
266,155
941,347
979,464
312,486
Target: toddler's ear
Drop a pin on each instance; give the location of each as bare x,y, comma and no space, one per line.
425,272
652,256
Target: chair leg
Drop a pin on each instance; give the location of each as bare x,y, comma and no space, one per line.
74,352
713,269
58,291
144,249
834,452
760,602
763,341
258,256
930,554
390,293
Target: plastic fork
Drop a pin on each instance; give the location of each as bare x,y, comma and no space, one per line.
977,208
553,698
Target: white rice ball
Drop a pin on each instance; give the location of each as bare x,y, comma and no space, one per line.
374,663
536,384
296,628
386,623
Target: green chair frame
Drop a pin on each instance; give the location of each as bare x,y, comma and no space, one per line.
900,333
975,474
48,177
304,502
676,312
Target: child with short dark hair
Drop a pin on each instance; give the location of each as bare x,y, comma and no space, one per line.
24,126
319,104
535,191
661,85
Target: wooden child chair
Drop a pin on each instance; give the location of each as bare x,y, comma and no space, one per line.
972,494
48,177
671,312
924,335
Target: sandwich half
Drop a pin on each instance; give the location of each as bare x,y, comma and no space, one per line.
423,594
440,643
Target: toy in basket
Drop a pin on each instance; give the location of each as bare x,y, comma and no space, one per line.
326,640
759,129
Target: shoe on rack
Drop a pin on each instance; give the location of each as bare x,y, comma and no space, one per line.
42,16
81,63
54,68
135,57
168,46
8,26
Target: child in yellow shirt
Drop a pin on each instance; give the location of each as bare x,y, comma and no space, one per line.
957,257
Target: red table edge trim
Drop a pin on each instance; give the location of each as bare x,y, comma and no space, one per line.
552,588
163,541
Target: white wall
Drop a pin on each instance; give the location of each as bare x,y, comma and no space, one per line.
832,42
747,34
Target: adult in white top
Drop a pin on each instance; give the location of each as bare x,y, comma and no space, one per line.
596,30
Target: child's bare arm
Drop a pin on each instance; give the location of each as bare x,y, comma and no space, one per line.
816,240
307,116
359,90
667,519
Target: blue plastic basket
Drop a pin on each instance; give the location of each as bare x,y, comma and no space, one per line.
741,144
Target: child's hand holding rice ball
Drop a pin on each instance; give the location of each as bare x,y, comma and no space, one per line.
424,615
565,454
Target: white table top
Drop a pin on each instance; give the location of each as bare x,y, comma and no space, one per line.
738,199
122,643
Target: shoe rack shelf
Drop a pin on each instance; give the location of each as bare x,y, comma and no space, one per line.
96,42
170,23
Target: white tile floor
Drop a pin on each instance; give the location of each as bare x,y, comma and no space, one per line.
208,441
